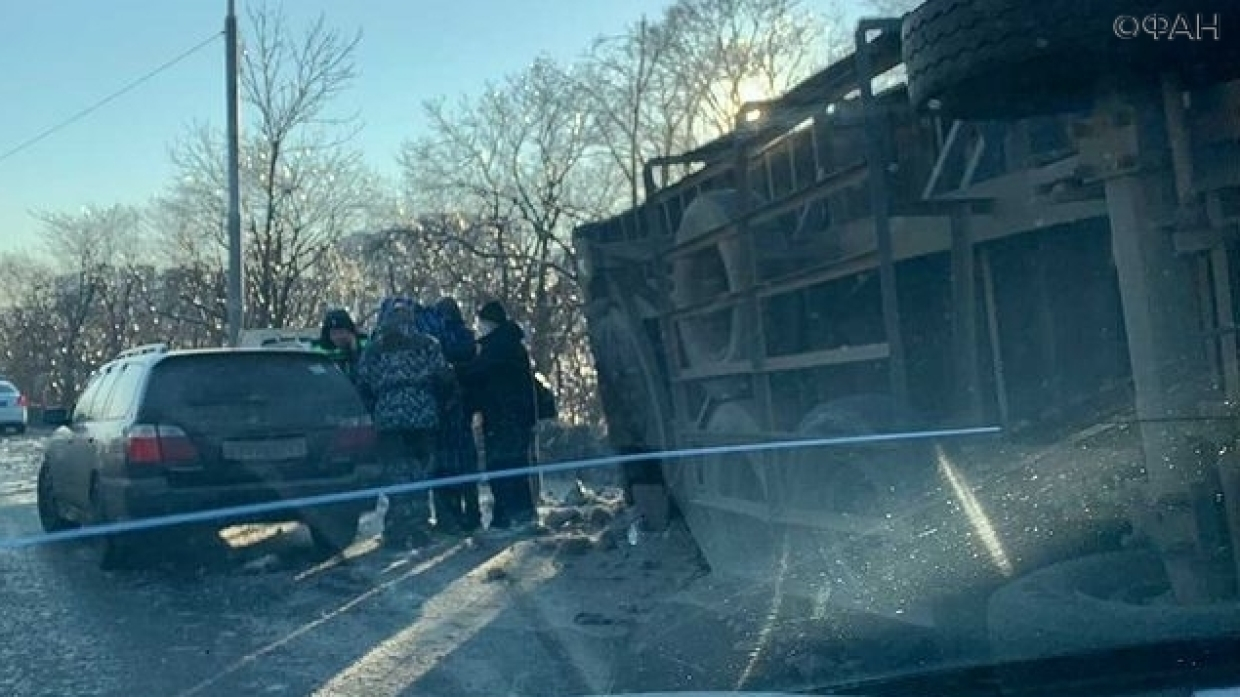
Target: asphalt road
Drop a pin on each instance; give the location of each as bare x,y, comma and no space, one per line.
462,617
579,612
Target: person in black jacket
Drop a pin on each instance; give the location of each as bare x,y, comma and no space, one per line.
499,383
340,339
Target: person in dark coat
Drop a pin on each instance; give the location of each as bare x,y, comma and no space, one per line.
340,339
398,373
499,384
456,506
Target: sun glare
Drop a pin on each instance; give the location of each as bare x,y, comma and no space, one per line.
752,89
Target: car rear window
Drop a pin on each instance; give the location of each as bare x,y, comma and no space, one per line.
258,389
8,388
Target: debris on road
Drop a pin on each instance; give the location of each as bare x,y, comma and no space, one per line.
580,495
570,545
495,574
264,564
370,524
634,535
432,619
600,516
555,518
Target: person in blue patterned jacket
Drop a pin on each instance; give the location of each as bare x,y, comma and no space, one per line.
399,373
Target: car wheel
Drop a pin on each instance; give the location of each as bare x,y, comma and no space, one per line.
20,429
49,510
113,551
332,531
999,59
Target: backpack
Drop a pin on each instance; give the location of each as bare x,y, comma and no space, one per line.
429,321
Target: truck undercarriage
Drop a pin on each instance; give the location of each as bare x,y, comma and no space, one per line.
1005,239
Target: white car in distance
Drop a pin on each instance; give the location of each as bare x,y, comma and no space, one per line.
14,414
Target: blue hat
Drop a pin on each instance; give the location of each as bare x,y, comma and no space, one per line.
395,306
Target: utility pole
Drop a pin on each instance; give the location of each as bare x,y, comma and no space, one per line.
236,296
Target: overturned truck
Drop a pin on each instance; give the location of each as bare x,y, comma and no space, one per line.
1036,229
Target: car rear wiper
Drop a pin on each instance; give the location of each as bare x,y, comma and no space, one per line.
1188,665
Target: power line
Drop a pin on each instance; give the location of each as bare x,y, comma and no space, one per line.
24,145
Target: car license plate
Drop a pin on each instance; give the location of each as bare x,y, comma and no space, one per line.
265,450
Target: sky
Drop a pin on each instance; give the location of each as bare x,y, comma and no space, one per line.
61,56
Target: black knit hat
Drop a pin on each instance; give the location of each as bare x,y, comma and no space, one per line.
493,312
339,319
450,309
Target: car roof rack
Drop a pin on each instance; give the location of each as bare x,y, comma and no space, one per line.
293,342
257,338
142,350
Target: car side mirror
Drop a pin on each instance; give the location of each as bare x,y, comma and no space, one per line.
55,417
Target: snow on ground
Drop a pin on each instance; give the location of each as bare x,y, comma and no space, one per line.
19,462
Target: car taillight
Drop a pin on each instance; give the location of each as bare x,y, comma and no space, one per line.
22,401
354,436
147,444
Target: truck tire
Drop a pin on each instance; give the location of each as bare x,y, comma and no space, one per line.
1096,602
631,377
718,496
737,476
868,480
1003,59
851,508
704,276
633,390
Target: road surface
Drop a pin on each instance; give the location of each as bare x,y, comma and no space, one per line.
582,611
555,615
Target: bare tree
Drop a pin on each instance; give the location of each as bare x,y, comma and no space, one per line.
86,300
188,304
92,237
666,86
510,160
126,315
27,321
388,261
303,186
500,182
733,51
542,151
638,99
91,296
93,289
19,272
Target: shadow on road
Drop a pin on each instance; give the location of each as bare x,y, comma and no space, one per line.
345,612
